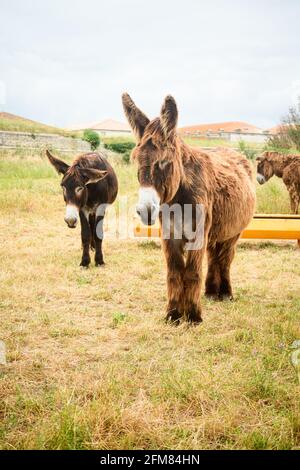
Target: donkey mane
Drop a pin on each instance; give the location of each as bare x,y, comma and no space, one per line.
279,158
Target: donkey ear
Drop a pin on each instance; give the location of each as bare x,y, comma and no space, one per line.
92,175
169,116
59,165
136,118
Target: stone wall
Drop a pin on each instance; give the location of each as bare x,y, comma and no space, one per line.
25,140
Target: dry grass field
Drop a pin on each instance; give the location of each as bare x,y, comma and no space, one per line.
90,362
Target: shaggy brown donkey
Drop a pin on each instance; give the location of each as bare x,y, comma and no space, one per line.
286,167
89,184
171,172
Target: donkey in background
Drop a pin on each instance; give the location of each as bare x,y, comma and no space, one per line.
88,185
284,166
171,172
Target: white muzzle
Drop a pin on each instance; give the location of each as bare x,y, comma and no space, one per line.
72,215
148,205
260,178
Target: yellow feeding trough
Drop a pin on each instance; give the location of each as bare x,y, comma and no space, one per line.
262,226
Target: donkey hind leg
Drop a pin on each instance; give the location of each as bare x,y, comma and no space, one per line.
220,256
192,286
86,240
224,254
213,278
175,266
98,237
92,229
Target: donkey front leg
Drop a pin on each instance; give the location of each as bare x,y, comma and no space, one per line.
294,199
86,240
192,285
173,251
293,205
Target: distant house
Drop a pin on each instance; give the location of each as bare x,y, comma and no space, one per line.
109,127
233,131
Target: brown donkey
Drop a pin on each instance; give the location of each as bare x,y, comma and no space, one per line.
173,173
88,185
286,167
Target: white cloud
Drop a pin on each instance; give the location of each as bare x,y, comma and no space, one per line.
2,93
67,61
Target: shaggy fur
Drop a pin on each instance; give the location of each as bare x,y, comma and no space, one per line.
221,181
98,185
286,167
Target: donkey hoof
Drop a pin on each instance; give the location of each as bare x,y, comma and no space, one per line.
99,263
211,296
194,316
85,263
226,297
194,320
173,316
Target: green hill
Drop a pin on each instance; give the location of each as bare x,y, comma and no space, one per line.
11,122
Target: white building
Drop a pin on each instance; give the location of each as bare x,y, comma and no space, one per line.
232,131
109,127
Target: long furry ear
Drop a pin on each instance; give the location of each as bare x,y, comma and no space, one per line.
59,165
136,118
92,175
169,116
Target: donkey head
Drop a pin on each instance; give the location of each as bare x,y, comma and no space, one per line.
265,168
157,155
74,184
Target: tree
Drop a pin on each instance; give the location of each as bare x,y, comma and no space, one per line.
92,137
288,136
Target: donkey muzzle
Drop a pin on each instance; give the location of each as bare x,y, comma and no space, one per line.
148,205
72,215
147,213
260,178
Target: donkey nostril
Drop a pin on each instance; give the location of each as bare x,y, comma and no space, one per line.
139,210
71,221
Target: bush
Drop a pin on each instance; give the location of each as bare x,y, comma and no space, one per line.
126,156
92,137
247,150
120,145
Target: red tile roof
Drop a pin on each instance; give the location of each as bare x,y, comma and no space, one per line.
234,126
107,125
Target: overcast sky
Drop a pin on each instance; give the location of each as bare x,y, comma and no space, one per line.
66,61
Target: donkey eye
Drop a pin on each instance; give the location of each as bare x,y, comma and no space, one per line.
79,189
163,164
